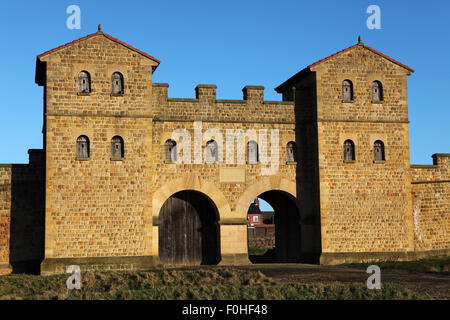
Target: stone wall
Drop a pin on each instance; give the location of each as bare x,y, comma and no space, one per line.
365,205
101,208
100,57
97,207
217,118
262,243
103,212
22,214
5,217
431,204
252,109
28,213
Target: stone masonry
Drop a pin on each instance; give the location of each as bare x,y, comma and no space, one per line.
103,212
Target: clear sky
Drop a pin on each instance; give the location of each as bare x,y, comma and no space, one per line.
231,44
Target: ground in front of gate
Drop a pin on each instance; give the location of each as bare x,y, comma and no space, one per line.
425,279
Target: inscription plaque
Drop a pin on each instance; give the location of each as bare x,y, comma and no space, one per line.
232,175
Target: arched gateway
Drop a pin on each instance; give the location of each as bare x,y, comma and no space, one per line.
189,230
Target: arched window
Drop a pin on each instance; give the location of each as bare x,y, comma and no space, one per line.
291,152
83,147
252,152
170,151
117,148
347,90
212,155
378,151
349,150
84,82
117,83
377,91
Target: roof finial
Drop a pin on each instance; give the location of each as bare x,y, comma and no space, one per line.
359,40
99,28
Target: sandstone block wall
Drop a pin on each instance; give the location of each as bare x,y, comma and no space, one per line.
364,206
5,216
219,116
99,207
100,57
22,213
104,211
431,204
28,213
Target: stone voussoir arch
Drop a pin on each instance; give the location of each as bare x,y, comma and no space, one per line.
186,183
265,184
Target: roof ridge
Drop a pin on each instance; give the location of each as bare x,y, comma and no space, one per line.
105,35
308,68
368,48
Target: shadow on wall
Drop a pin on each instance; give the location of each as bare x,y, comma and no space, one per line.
28,214
304,94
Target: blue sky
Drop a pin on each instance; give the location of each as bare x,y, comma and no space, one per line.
231,44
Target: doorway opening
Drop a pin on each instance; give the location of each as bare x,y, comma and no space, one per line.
189,232
274,228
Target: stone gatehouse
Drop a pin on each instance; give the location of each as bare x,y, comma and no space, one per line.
129,178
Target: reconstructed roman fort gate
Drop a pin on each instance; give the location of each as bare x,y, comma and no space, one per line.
108,190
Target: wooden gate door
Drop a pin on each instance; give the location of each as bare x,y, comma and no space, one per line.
180,238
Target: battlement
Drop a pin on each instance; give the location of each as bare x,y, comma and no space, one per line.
206,107
207,92
439,171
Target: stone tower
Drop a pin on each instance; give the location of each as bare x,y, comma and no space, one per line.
97,138
352,133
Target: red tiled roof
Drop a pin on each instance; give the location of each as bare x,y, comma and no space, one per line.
107,36
367,47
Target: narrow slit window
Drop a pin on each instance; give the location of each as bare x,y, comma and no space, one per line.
377,91
252,152
378,149
117,148
170,151
212,155
291,152
83,147
349,150
84,82
347,90
117,83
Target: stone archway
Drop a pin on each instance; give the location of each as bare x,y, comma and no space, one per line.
189,233
261,186
280,194
189,182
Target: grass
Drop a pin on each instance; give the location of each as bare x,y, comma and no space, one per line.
439,264
214,283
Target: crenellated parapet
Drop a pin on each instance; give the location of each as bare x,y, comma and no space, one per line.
439,171
206,107
431,204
